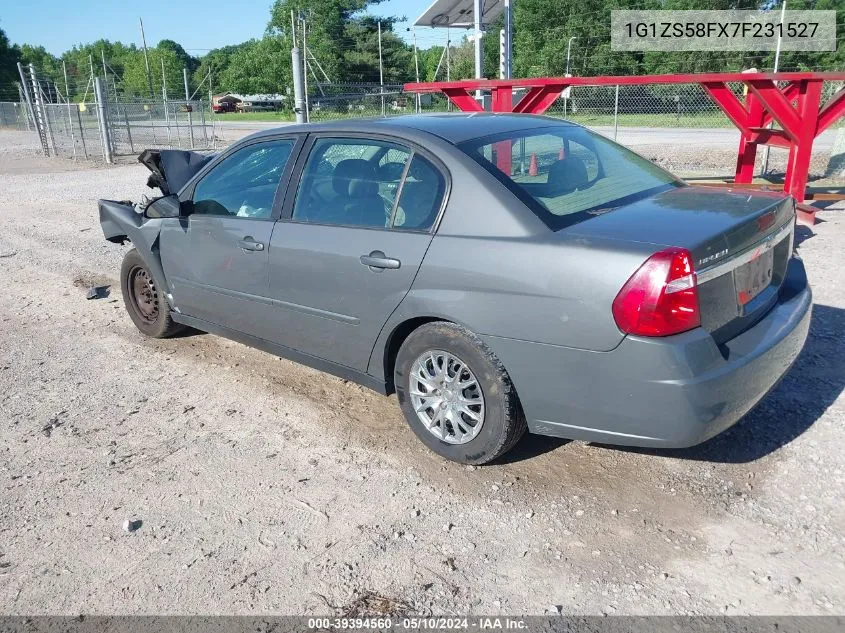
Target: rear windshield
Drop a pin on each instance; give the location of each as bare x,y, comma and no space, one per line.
567,174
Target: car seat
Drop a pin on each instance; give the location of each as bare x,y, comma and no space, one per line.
356,186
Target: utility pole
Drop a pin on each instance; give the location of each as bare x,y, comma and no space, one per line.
417,67
380,71
479,59
448,69
296,64
304,71
146,59
508,40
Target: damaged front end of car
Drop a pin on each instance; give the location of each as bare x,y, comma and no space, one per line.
140,222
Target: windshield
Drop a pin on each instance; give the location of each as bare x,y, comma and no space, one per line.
567,174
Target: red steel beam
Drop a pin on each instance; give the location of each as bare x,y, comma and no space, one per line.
626,80
537,100
461,98
765,102
727,100
767,136
778,105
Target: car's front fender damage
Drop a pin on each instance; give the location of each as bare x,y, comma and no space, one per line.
120,223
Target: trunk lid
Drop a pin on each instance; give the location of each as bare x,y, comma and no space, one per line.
740,244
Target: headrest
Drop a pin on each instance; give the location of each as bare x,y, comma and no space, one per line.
355,178
568,174
390,172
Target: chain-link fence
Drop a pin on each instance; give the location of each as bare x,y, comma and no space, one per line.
110,125
15,115
138,125
73,130
680,127
676,126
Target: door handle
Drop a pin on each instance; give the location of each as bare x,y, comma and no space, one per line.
378,261
249,244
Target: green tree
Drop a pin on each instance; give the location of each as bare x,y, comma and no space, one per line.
216,61
258,66
46,64
361,60
9,57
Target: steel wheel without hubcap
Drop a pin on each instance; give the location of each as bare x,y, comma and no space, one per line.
144,294
446,397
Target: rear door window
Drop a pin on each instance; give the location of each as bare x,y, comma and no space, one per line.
368,183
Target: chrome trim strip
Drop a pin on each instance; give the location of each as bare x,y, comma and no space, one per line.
728,266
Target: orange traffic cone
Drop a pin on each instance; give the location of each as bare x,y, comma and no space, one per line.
560,154
532,166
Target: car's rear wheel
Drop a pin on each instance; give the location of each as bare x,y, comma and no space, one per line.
456,395
143,299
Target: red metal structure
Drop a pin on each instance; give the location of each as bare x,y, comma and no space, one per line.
765,101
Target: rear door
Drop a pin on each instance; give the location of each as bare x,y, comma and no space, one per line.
351,243
216,257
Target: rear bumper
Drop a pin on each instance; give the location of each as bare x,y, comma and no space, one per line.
671,392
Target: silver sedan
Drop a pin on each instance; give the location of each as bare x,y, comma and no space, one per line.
497,272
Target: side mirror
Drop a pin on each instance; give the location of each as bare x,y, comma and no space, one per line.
166,207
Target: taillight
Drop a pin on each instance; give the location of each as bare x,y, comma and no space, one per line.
661,298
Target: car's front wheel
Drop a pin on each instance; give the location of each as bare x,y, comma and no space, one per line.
142,296
456,395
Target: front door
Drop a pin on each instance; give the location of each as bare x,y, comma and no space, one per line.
356,236
216,258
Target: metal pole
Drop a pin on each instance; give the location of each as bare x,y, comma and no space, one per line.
448,66
188,107
508,39
568,51
164,103
25,91
305,74
128,132
102,119
147,59
380,71
616,114
24,100
479,59
765,166
81,132
69,113
417,68
298,102
202,120
502,54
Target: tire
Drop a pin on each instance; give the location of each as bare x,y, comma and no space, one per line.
502,421
143,300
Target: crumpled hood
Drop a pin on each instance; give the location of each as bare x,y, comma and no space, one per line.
172,168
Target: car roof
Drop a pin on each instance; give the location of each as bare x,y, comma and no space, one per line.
453,127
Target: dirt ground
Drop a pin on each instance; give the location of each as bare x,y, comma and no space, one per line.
262,486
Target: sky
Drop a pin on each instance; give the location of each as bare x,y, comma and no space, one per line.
198,25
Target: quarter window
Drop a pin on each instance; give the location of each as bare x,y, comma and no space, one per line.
244,183
421,197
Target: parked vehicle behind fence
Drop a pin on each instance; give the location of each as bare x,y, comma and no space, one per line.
497,272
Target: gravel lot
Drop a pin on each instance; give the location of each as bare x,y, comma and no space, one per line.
263,486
